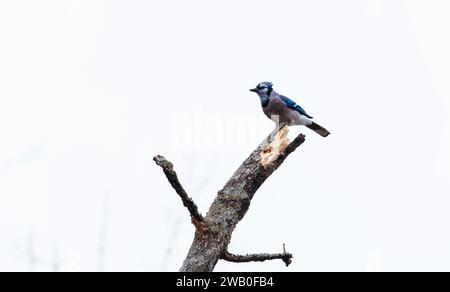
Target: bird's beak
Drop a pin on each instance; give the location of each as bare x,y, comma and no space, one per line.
254,89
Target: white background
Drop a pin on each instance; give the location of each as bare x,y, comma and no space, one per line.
91,90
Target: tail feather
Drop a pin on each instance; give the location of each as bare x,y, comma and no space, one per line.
319,129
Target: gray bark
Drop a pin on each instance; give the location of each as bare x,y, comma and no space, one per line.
260,257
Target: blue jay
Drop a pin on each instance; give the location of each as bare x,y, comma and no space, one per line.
281,109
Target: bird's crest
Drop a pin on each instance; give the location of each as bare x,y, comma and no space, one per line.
264,85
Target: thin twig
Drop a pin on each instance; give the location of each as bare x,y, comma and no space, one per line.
103,234
55,263
32,259
260,257
171,175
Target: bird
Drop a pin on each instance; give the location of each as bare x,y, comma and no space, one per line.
281,109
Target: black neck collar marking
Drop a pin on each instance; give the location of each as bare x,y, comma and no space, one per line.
265,101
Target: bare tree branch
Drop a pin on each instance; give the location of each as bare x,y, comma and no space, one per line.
260,257
171,175
232,202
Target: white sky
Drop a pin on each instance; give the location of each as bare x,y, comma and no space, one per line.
91,90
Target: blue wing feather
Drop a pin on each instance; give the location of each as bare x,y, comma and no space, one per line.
291,104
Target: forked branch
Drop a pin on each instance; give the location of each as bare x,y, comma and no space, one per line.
213,232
